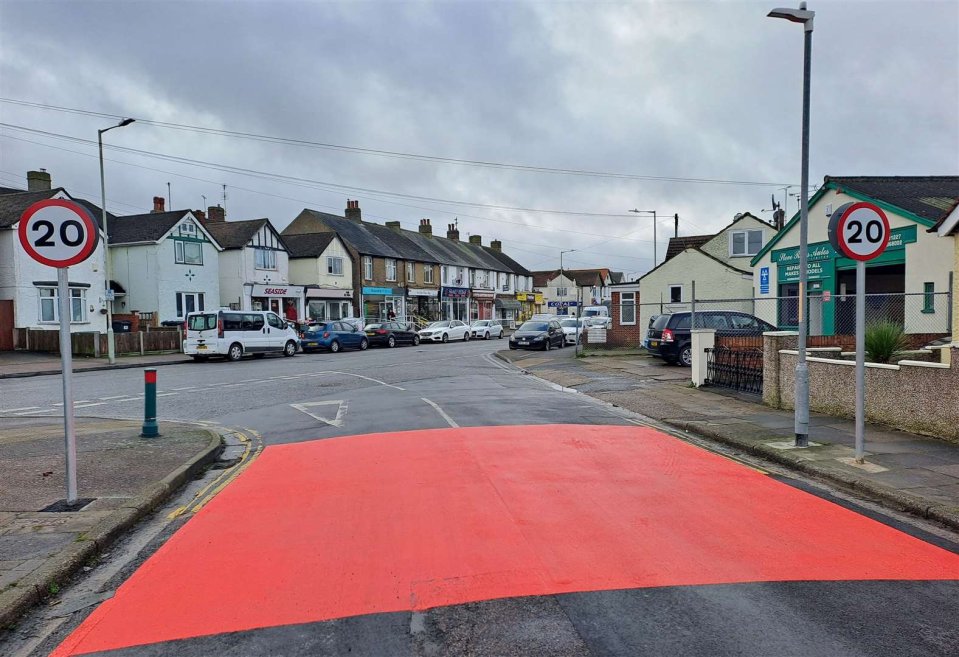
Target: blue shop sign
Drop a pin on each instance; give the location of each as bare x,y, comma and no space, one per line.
456,292
562,304
386,291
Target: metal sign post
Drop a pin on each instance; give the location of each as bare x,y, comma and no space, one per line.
60,233
860,231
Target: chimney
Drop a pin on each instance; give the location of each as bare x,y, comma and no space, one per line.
216,213
158,203
353,210
426,228
476,239
200,214
38,181
496,245
453,233
779,218
393,225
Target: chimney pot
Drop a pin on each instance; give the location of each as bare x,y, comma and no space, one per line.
38,181
158,203
353,211
425,227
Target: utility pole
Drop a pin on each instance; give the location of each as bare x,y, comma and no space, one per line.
652,212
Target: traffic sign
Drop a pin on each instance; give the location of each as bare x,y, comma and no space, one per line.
859,231
58,233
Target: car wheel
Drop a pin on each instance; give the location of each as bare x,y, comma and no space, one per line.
364,343
549,345
466,337
235,352
416,340
500,336
335,346
486,337
391,342
289,349
686,356
446,338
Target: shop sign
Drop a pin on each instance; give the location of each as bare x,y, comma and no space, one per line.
386,291
814,269
456,292
821,254
483,295
521,296
538,298
277,290
563,304
421,292
321,293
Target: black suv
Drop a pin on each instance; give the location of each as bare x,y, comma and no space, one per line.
669,336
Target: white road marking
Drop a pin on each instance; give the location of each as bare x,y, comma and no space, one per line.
166,394
185,388
340,411
360,376
89,405
113,397
442,413
14,410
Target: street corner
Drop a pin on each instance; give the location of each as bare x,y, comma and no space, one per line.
412,521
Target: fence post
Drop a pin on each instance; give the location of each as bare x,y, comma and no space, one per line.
692,307
140,333
703,339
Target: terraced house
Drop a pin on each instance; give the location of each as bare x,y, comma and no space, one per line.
416,275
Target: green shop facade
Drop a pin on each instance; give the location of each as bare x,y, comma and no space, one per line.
906,284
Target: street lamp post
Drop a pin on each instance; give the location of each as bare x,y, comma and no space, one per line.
561,259
111,349
652,212
805,17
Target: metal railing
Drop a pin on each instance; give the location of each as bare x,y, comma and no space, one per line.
736,369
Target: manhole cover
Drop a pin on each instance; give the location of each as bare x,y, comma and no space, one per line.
61,506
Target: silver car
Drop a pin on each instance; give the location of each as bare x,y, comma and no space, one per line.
487,328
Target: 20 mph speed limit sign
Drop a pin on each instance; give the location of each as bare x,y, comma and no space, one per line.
58,233
859,231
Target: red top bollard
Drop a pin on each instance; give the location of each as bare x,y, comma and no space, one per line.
150,376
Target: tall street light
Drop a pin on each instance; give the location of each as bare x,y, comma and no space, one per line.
805,17
652,212
111,350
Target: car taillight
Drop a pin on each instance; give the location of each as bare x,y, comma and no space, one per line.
219,327
667,335
381,331
326,334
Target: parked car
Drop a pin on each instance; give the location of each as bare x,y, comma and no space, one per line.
542,317
538,334
599,321
595,311
487,328
390,334
573,329
451,329
235,334
669,336
333,336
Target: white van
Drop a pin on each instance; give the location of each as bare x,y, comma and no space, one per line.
595,311
234,333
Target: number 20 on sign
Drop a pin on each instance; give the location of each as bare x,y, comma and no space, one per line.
60,233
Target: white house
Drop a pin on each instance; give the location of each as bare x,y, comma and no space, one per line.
321,263
564,292
165,264
28,289
719,264
254,266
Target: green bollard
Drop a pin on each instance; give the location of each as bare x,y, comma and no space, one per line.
150,427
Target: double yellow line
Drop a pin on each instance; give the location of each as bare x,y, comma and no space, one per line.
253,445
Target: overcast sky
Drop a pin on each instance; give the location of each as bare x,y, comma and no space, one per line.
680,90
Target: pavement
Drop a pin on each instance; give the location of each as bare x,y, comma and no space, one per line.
125,476
18,364
908,472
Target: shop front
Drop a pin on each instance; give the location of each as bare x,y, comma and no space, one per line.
382,303
508,311
285,300
326,304
529,302
481,306
423,303
455,303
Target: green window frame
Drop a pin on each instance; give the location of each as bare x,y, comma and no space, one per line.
928,297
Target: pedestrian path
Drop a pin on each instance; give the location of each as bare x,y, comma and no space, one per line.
15,364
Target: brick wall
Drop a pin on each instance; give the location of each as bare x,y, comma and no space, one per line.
620,335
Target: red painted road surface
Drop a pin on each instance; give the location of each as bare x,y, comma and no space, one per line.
409,521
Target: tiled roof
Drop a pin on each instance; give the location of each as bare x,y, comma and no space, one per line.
542,278
150,227
308,245
15,202
929,197
617,277
679,244
234,234
514,266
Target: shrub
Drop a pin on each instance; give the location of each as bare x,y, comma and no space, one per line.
884,341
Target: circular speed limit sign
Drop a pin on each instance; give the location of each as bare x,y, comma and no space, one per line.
859,230
58,233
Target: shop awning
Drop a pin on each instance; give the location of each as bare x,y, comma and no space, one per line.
508,304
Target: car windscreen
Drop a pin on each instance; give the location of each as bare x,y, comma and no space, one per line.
660,322
481,323
315,328
534,326
569,323
590,313
202,322
439,325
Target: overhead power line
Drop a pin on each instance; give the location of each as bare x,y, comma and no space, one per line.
396,154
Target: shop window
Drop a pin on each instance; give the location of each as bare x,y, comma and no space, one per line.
675,294
745,242
367,268
264,258
187,253
627,308
928,297
390,269
334,265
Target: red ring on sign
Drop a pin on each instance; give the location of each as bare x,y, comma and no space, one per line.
840,230
93,232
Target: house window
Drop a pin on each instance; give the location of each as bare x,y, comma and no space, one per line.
428,273
367,268
562,291
188,253
928,297
445,274
334,265
675,294
472,278
188,302
410,272
390,269
50,308
745,242
265,258
627,308
78,305
48,304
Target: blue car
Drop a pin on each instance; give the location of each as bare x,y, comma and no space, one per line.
333,336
